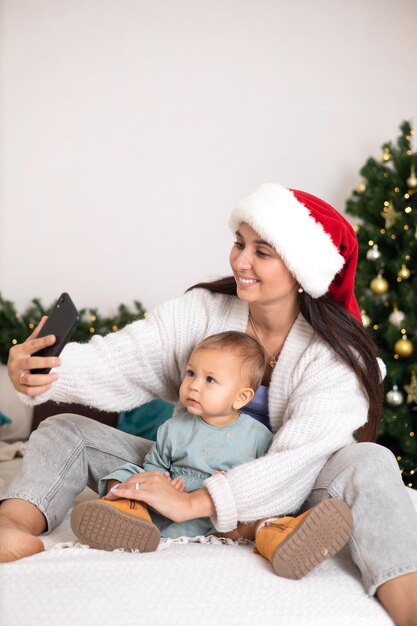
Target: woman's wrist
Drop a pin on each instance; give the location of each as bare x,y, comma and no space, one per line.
201,504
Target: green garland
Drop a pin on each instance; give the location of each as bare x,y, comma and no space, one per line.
15,326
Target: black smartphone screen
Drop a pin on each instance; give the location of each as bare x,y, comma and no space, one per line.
62,323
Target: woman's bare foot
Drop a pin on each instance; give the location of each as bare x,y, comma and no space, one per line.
398,596
20,523
16,543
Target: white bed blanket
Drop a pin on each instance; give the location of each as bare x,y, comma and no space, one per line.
182,584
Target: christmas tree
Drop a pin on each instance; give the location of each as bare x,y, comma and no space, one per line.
385,203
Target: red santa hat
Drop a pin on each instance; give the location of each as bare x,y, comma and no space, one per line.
316,243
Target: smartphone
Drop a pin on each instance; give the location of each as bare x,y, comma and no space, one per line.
61,322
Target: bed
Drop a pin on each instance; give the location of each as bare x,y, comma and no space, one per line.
209,582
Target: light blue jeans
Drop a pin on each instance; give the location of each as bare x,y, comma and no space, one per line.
68,452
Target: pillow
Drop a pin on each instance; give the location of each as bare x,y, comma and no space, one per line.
4,419
145,420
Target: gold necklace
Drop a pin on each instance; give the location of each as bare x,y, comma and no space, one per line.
274,357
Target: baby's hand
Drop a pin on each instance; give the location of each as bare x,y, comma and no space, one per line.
219,472
176,482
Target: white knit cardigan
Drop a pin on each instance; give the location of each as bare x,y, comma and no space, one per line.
315,402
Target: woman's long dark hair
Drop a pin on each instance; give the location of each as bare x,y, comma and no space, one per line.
347,337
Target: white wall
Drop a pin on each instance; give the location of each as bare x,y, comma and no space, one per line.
130,127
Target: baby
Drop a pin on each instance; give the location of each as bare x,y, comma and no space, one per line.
222,375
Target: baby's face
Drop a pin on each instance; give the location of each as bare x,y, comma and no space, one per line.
211,383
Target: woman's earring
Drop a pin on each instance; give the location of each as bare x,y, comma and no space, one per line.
300,290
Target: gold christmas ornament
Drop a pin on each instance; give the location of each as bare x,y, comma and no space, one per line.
394,396
386,155
366,320
403,347
390,215
404,272
379,285
397,317
411,389
361,187
373,254
412,179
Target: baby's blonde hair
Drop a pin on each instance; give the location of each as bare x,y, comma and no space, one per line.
244,346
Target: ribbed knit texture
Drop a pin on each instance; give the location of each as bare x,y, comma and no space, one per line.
315,402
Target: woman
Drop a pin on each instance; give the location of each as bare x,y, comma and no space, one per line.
322,381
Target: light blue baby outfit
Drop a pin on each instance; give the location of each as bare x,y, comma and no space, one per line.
192,450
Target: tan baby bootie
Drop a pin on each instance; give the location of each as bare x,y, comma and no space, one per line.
296,545
110,524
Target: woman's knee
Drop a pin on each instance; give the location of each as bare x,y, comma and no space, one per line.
365,462
369,453
65,421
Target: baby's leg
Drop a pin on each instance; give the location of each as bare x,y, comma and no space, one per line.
116,476
111,484
111,522
242,531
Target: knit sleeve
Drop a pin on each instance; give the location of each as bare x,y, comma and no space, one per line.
325,407
128,368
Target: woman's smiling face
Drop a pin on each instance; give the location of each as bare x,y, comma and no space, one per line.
261,275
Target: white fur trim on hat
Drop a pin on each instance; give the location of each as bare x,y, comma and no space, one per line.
305,247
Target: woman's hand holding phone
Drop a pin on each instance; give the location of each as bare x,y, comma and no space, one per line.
21,362
30,362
